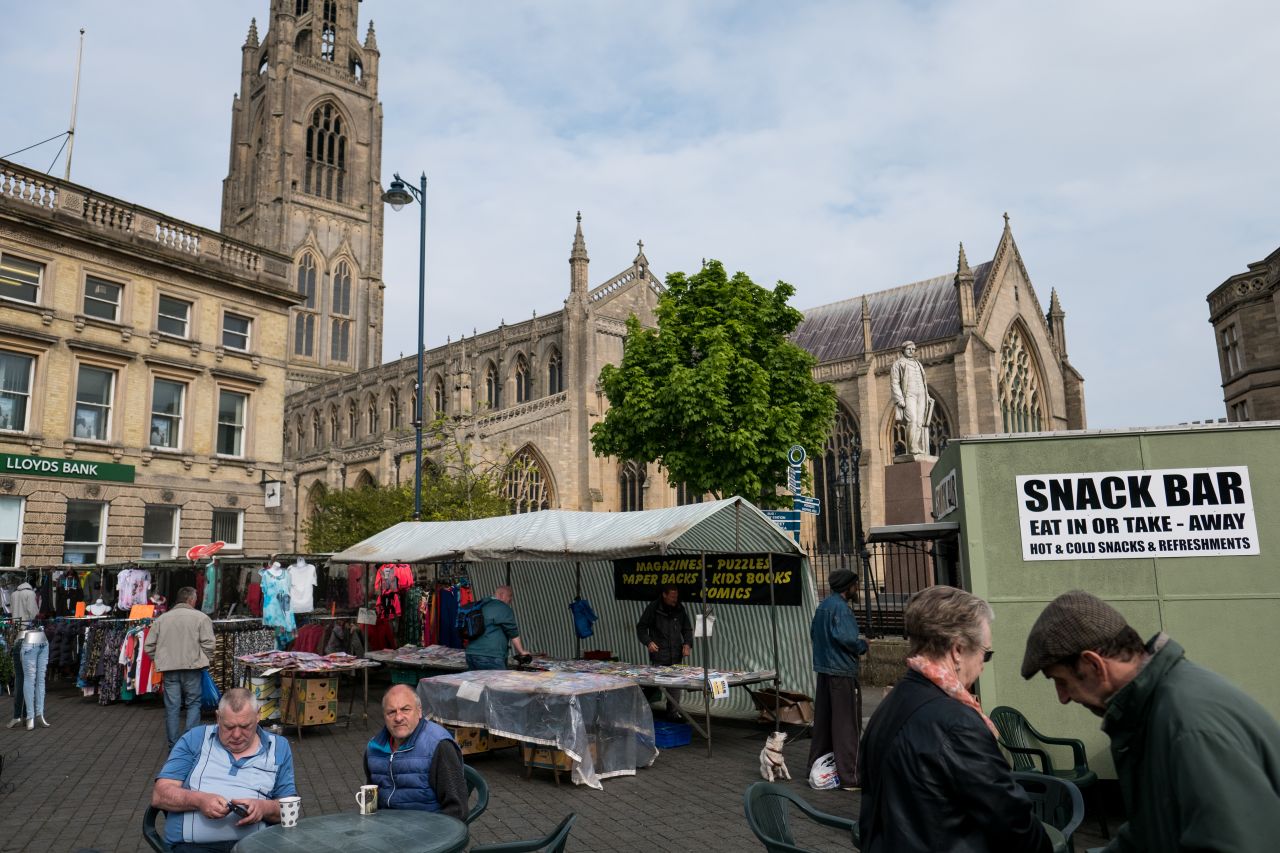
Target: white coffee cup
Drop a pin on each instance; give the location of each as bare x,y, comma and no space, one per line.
367,799
290,807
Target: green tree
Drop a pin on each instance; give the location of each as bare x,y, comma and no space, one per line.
346,517
717,393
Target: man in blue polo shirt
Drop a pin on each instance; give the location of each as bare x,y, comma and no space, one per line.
223,782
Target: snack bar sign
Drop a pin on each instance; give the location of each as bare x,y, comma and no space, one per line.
43,466
1116,515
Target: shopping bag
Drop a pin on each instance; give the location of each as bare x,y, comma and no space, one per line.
822,775
209,695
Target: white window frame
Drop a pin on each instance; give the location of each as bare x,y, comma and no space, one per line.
151,550
180,417
243,426
26,409
247,334
16,541
110,404
237,545
84,545
39,283
117,305
186,321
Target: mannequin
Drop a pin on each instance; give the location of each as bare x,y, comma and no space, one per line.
35,661
302,578
99,608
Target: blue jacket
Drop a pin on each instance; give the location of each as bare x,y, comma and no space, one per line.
836,644
404,777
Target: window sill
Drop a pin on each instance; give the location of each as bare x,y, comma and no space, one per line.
82,320
157,336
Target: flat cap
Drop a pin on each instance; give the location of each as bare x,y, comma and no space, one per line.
841,579
1074,622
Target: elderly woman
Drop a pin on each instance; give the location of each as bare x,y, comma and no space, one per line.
933,776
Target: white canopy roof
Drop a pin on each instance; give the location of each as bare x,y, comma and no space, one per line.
727,526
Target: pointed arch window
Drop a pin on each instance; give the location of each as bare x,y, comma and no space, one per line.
301,436
939,433
437,396
524,390
335,430
353,420
393,409
371,413
631,486
315,496
326,164
304,328
317,434
492,388
340,322
526,483
1021,398
835,523
555,372
328,37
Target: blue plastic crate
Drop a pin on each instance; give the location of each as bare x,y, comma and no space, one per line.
671,735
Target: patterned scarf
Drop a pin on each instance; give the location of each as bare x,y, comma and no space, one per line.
949,683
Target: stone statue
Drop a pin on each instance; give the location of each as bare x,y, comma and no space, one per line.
911,396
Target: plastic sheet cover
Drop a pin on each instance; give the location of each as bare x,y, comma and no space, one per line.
603,723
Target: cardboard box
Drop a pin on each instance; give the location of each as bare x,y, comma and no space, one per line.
547,757
472,740
499,742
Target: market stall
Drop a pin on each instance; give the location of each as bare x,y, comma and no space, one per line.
302,687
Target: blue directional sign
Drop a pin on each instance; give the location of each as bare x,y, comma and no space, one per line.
787,519
793,479
804,503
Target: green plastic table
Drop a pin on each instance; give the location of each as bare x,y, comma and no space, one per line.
399,830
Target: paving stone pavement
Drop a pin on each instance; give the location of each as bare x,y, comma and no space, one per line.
84,784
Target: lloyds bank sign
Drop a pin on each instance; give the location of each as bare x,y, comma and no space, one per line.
39,466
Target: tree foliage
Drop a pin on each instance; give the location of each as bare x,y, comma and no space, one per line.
345,517
717,393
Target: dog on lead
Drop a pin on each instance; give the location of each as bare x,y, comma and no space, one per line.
772,764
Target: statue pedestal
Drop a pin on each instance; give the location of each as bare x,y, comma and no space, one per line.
908,491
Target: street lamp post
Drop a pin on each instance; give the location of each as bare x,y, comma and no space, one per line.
842,480
859,540
398,195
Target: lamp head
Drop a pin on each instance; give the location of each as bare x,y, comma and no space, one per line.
397,195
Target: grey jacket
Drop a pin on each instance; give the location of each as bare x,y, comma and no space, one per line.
22,604
180,639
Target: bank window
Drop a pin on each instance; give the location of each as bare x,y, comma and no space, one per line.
20,278
228,526
10,531
231,411
167,399
159,532
102,298
173,316
94,387
235,331
83,534
15,390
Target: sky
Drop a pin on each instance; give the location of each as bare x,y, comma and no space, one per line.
843,147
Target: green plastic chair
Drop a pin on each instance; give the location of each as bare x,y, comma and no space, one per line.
150,834
768,805
1055,801
1025,746
553,843
476,784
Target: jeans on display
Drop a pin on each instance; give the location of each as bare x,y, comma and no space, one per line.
35,660
18,694
485,662
181,697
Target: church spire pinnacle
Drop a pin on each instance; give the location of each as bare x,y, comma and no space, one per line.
641,260
578,261
866,326
962,265
370,40
964,292
252,39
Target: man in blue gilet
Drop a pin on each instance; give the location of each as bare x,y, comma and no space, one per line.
415,763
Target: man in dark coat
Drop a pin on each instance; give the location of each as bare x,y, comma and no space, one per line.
665,631
837,714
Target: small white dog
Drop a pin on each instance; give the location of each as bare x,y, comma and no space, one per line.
772,764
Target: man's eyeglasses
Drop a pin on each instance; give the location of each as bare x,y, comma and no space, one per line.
986,655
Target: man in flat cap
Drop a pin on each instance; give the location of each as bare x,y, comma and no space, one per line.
1198,759
837,714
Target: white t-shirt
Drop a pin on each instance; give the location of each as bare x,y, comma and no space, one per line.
302,577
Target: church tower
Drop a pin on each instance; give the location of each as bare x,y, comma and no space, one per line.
305,178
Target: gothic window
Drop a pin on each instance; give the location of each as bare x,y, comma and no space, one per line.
437,396
353,420
1021,402
326,155
317,434
526,483
335,432
939,433
263,62
835,523
301,433
340,333
365,481
371,412
315,495
492,388
523,390
413,407
393,409
304,330
555,372
631,482
302,43
301,7
329,33
685,495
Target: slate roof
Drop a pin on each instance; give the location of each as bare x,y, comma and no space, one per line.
921,311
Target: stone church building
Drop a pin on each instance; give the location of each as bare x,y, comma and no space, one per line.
305,180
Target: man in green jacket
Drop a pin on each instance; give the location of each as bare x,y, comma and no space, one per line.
1198,759
489,650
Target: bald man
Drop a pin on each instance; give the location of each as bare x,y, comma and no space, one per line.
489,650
426,773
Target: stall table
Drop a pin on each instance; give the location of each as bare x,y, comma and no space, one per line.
603,724
304,666
404,831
